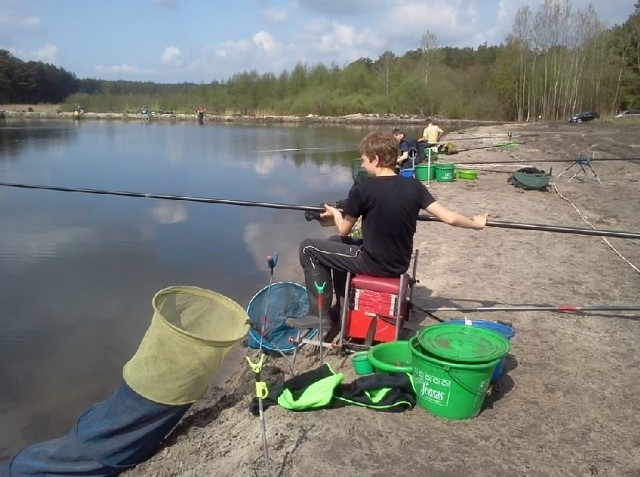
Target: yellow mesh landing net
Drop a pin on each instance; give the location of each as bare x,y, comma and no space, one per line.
191,332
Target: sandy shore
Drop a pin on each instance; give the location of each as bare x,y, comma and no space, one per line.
568,403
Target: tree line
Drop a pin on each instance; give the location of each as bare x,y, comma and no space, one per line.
33,81
554,62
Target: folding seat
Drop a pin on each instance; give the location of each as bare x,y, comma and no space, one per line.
375,309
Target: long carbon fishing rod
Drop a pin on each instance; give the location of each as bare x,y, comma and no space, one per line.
497,137
549,228
597,159
272,205
205,200
557,308
321,148
493,146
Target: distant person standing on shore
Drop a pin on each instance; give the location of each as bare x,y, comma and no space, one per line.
431,134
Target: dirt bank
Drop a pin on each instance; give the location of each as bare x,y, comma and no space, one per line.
568,404
49,111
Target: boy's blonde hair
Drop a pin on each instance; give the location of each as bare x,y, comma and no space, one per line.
382,145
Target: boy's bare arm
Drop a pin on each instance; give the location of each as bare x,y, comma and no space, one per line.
456,219
343,224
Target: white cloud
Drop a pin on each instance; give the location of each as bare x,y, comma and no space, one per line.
264,41
229,48
315,27
504,11
328,31
14,21
342,35
456,21
29,23
276,15
343,7
340,42
48,53
172,56
123,68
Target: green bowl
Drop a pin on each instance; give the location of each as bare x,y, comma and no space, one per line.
391,357
467,174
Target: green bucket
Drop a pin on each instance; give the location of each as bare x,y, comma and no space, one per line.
458,343
453,367
425,172
361,363
444,172
449,390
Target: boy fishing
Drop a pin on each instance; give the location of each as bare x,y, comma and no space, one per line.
389,205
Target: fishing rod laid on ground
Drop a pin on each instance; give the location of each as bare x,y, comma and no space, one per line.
308,208
502,145
596,159
553,308
496,136
505,144
557,308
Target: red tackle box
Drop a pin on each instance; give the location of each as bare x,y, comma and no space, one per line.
370,299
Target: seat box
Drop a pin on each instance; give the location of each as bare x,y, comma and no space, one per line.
358,323
375,302
374,298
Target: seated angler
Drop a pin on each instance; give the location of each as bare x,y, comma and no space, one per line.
410,152
431,135
389,205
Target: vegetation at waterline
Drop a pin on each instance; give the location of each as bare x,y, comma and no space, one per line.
556,61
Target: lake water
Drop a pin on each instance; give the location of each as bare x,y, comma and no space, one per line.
78,271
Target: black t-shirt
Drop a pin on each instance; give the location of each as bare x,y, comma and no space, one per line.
389,207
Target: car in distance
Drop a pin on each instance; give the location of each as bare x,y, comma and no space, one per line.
583,117
629,113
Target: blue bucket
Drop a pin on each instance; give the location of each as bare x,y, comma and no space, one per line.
406,172
505,330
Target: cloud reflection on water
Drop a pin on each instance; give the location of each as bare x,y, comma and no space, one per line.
166,212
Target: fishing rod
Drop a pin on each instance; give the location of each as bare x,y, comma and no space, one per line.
147,195
548,228
597,159
273,205
497,136
322,148
557,308
511,144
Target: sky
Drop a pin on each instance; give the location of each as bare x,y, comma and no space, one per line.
200,41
